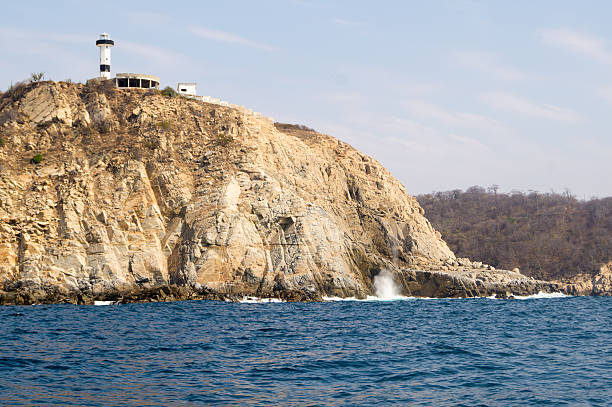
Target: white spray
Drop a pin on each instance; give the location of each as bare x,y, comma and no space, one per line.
384,286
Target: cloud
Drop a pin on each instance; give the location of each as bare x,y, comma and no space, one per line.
55,51
149,18
407,126
19,34
348,23
576,42
222,36
152,52
487,63
515,104
344,97
605,93
457,119
411,135
470,142
69,48
50,38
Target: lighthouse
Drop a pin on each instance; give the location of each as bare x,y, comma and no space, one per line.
105,44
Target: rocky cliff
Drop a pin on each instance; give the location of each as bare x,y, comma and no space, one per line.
589,284
114,194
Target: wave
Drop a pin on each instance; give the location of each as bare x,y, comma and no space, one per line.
372,298
540,295
256,300
104,302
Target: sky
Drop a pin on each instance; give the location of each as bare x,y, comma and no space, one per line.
445,94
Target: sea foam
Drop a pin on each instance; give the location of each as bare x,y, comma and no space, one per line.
257,300
540,295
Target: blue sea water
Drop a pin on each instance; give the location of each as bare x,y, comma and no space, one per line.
455,352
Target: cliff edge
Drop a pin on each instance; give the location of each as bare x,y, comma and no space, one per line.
130,195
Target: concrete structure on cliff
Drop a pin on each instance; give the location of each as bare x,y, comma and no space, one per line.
136,80
121,80
145,81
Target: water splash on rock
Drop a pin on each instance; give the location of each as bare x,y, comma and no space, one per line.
384,286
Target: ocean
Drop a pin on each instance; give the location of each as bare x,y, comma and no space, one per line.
418,352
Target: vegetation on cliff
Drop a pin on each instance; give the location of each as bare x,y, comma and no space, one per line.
547,235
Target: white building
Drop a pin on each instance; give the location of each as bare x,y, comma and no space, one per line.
105,44
186,88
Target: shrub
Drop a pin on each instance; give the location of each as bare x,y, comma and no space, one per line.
103,126
37,77
169,92
15,90
2,142
223,140
164,124
287,126
152,145
37,159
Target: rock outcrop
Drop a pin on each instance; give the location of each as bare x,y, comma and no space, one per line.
588,284
143,196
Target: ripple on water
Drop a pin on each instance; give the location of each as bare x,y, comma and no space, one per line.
540,351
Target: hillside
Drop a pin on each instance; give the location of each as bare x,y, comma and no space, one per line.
131,195
549,236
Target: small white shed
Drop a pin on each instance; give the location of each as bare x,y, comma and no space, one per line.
186,88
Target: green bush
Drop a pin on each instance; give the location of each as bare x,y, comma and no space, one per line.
37,159
169,92
37,77
2,142
164,124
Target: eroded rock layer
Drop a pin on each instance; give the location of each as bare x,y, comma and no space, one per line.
136,192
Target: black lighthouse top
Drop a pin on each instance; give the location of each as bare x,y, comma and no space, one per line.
105,42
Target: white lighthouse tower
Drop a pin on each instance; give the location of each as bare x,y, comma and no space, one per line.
105,44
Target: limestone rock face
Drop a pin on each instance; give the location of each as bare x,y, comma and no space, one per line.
138,191
586,284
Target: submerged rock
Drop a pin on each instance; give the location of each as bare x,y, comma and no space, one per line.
140,197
